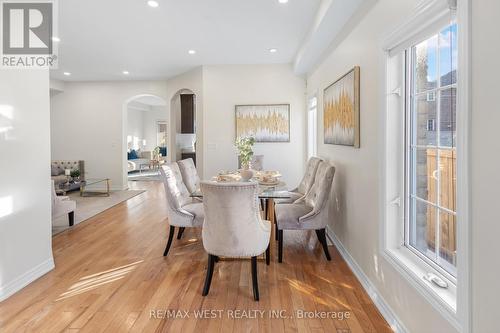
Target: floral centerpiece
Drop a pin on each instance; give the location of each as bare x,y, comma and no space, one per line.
156,153
244,146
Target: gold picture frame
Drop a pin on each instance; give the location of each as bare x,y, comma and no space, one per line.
341,123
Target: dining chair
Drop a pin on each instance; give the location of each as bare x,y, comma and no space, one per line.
309,212
305,184
233,226
182,210
61,205
189,174
256,163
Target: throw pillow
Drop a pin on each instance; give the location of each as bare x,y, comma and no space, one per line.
132,155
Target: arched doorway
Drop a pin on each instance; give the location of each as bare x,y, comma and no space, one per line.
183,126
145,129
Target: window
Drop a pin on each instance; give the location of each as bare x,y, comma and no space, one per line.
431,96
431,125
312,126
431,170
161,134
425,188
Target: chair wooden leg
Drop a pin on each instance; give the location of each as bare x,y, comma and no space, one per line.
169,242
255,283
322,239
71,217
210,272
280,245
180,232
268,255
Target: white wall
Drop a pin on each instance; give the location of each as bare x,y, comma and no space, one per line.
228,85
88,121
485,166
25,218
94,112
354,210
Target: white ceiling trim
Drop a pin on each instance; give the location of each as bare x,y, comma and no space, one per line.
334,20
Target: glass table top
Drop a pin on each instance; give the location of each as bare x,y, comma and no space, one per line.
278,191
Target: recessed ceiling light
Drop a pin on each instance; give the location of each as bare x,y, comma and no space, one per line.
273,50
125,72
282,1
67,73
56,39
191,51
152,3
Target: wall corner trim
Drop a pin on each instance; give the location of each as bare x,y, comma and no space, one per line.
369,287
22,281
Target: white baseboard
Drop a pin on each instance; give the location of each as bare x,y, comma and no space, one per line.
22,281
377,299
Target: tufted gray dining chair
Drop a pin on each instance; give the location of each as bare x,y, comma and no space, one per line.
182,210
256,163
189,174
306,182
309,212
233,226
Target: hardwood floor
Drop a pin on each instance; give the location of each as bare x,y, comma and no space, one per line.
111,276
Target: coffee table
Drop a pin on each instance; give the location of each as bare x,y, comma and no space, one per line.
95,187
63,189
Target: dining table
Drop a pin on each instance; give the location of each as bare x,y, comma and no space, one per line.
267,194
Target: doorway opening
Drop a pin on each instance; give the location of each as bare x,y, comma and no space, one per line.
183,125
145,137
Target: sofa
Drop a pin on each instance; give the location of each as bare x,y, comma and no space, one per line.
137,160
58,169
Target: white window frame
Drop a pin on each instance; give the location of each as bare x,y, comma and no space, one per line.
437,266
452,303
312,126
157,125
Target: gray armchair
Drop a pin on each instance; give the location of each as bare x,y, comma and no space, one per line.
309,212
61,205
233,226
182,210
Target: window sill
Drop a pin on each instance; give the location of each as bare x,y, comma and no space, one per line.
413,270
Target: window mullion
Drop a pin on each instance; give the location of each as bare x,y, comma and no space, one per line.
438,152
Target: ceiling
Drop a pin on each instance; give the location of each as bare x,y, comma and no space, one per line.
101,39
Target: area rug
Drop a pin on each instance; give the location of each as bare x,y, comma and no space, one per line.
146,175
87,207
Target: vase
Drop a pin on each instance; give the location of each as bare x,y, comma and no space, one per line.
246,174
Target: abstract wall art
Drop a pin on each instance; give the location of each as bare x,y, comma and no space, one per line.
266,123
341,110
